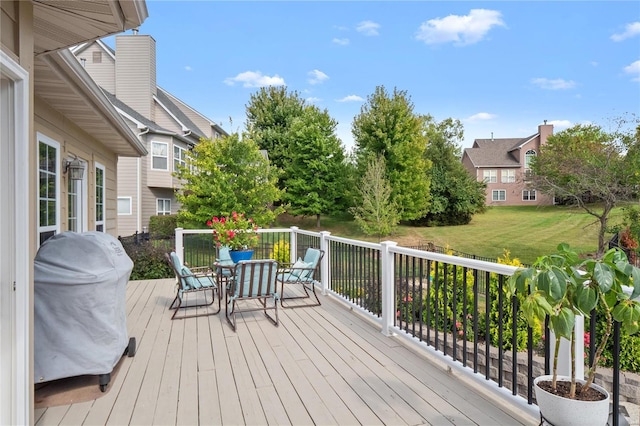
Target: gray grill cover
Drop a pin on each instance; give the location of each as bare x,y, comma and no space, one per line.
80,324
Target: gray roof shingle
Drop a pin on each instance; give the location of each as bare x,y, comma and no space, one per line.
496,152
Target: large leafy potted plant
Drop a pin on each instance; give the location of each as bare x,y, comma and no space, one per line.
237,232
562,285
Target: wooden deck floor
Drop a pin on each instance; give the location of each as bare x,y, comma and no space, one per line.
323,365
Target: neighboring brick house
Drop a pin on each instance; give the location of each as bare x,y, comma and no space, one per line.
165,125
504,165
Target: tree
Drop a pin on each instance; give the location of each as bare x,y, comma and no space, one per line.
590,168
387,126
376,214
455,195
226,175
315,166
270,113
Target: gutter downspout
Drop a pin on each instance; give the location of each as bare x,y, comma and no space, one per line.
139,184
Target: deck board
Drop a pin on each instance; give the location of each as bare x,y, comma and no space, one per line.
321,365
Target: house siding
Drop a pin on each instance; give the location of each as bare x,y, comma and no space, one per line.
198,120
75,141
104,72
9,25
128,187
163,119
136,73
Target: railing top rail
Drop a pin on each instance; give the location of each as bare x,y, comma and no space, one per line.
196,231
455,260
375,246
310,233
270,230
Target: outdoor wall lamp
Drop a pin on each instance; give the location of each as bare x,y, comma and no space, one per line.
75,168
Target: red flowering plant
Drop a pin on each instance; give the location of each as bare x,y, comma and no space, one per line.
236,231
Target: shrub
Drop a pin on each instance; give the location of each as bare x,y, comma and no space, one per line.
281,252
163,226
148,261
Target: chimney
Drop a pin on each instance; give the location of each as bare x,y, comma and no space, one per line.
136,72
491,135
545,130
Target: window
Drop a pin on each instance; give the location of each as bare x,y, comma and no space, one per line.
49,191
528,156
124,205
508,176
529,195
100,225
179,157
159,157
491,176
498,195
97,57
164,206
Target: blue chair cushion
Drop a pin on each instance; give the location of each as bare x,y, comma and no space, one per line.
190,280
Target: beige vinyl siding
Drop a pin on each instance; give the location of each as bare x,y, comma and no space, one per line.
198,119
76,141
127,187
135,72
104,73
163,119
9,26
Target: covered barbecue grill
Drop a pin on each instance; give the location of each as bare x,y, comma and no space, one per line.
80,325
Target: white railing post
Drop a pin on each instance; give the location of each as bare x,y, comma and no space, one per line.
324,265
180,244
386,274
564,354
293,244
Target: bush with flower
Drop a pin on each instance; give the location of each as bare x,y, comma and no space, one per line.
236,231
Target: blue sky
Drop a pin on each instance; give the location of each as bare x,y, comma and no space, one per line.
500,67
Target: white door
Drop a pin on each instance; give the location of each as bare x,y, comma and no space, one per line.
15,265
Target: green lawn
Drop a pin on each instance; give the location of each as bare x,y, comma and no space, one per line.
527,232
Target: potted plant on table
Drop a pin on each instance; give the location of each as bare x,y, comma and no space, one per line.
237,232
562,286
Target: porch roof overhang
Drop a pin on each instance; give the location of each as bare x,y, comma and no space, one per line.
62,82
61,24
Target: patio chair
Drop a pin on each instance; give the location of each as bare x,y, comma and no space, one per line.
302,273
252,280
194,281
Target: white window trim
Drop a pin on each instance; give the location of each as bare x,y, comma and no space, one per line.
22,383
493,176
508,176
49,141
152,155
102,222
493,191
529,191
130,206
180,159
82,215
162,199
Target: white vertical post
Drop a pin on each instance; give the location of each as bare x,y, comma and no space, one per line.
386,274
324,265
564,355
179,244
293,244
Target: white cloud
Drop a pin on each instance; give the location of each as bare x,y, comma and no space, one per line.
481,116
634,70
254,79
313,100
560,124
351,98
341,41
594,63
630,30
461,30
557,84
368,28
188,68
317,77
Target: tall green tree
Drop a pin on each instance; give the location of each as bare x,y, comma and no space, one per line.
226,175
270,114
315,166
375,212
455,195
387,126
591,168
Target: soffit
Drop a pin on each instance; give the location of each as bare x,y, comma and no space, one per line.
63,23
59,83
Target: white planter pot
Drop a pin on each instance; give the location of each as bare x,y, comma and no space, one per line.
561,411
